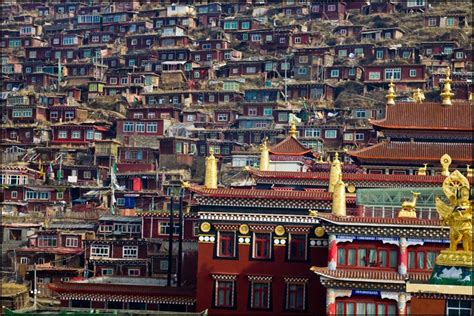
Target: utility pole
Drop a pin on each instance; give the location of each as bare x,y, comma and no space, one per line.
180,238
35,289
170,242
286,77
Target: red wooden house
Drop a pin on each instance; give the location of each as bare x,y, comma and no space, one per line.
140,132
77,134
329,10
404,76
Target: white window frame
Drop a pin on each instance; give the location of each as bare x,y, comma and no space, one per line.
102,251
334,73
328,134
62,134
412,73
72,242
134,272
222,117
130,252
152,127
76,135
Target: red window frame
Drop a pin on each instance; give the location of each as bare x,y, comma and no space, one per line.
262,246
226,289
367,248
226,244
263,295
297,247
355,301
417,251
295,296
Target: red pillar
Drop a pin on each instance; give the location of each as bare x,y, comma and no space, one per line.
403,256
330,302
332,254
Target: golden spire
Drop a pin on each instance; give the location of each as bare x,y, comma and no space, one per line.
264,156
391,93
293,132
469,171
470,98
419,96
339,198
446,95
210,178
445,163
334,173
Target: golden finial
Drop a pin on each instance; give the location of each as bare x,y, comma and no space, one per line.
293,132
447,94
391,93
339,198
185,184
320,160
264,156
418,96
409,207
312,213
470,98
445,163
469,172
422,170
334,172
457,214
210,178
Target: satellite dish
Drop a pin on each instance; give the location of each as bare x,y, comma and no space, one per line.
351,55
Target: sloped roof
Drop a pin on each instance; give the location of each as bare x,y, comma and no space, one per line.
290,146
416,151
429,116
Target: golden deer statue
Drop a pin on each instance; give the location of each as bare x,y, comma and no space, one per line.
409,207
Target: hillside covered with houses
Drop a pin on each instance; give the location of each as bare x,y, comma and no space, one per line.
141,141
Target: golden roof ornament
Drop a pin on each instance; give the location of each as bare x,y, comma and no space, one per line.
339,198
447,94
418,96
334,172
422,170
445,163
264,156
391,93
469,172
409,207
210,178
457,214
470,98
293,131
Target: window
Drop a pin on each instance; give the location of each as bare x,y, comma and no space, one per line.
342,53
252,111
62,134
458,307
421,259
47,241
245,25
432,22
448,50
360,136
367,257
99,251
295,296
283,117
393,74
222,117
406,55
379,54
165,228
351,72
297,247
14,194
365,308
69,115
312,132
348,136
152,127
130,252
72,242
24,260
260,295
335,73
226,244
282,40
179,148
224,293
331,7
59,195
133,272
450,21
361,113
330,134
412,73
256,38
297,40
459,55
90,135
128,127
373,75
267,111
261,246
140,127
76,135
268,38
107,271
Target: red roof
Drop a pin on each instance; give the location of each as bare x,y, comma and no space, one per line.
290,146
54,250
416,151
348,177
369,275
265,194
429,116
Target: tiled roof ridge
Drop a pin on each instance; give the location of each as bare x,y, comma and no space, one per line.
399,221
369,275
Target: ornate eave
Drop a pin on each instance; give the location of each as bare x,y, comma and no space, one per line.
258,218
384,227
